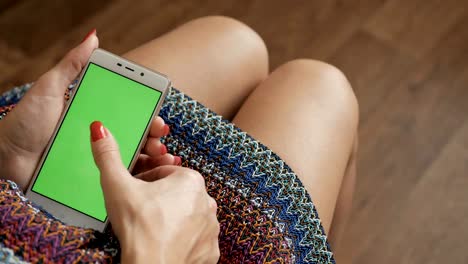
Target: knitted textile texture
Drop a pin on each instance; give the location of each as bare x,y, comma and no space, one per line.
265,213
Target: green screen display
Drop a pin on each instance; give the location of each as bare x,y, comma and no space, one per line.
68,174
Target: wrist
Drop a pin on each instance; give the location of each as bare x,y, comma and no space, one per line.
4,159
134,253
14,165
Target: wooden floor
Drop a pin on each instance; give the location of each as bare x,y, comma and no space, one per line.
407,61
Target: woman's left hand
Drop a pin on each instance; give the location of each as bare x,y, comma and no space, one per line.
25,132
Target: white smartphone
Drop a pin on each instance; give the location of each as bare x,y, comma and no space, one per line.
125,97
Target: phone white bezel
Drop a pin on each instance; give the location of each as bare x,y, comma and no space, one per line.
127,69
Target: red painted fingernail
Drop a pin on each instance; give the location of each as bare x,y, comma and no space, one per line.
166,130
92,32
163,149
97,131
177,160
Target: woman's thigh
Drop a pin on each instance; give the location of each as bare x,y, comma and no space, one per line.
216,60
306,112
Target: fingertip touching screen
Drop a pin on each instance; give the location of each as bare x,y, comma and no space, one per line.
68,175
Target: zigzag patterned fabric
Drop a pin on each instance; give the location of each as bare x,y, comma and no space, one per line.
265,213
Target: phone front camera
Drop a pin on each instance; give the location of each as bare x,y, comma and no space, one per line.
142,74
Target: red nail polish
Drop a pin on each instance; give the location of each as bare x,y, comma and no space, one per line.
92,32
163,149
177,160
97,131
166,130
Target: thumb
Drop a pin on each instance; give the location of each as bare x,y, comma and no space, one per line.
57,79
107,158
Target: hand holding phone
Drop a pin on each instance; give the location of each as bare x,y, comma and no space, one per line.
124,95
164,215
26,131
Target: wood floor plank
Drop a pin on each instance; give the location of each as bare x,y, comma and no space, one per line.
9,56
7,4
31,26
435,213
429,225
415,26
372,67
311,29
124,25
399,142
121,26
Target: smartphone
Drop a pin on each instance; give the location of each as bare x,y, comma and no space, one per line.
125,97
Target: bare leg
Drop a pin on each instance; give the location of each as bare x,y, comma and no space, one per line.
313,101
216,60
343,210
307,113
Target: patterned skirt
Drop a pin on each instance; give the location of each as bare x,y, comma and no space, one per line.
265,213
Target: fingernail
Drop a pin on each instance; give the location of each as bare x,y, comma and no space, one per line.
163,149
97,131
166,130
92,32
177,160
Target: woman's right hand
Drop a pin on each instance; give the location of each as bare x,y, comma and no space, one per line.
163,215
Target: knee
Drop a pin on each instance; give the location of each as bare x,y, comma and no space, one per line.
237,38
320,81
